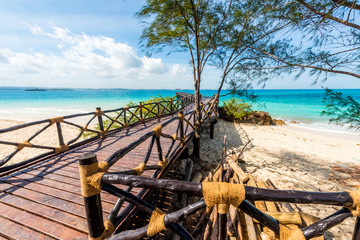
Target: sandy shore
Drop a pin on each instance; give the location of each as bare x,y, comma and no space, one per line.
295,158
48,137
291,157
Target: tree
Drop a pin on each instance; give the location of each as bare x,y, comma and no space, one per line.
189,25
342,109
331,29
220,33
330,45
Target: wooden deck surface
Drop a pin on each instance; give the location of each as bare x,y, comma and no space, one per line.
44,201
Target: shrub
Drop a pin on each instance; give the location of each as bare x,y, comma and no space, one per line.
107,122
237,108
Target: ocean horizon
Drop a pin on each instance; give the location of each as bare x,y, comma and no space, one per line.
300,105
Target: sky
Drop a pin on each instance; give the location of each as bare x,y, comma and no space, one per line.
95,44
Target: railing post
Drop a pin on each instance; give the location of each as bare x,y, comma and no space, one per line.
99,114
141,112
356,233
92,203
171,107
125,109
158,109
185,153
61,138
212,127
62,146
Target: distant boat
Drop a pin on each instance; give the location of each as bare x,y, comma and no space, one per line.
35,90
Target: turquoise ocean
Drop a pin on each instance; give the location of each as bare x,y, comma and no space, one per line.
303,105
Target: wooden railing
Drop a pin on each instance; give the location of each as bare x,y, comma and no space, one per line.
97,125
94,172
91,171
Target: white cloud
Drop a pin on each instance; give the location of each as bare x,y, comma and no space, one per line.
79,59
177,69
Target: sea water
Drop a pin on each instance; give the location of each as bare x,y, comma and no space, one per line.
302,105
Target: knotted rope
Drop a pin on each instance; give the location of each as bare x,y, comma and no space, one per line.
355,208
223,194
109,229
162,164
90,177
140,169
156,223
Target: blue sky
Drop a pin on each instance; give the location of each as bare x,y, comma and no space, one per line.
95,44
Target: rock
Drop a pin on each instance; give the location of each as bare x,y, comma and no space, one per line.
294,122
255,117
279,122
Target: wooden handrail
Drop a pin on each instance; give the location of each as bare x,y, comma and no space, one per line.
129,116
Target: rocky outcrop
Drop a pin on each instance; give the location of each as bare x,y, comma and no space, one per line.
255,117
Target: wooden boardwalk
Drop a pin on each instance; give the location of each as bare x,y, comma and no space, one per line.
44,201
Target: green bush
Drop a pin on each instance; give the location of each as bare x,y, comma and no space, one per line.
237,108
107,122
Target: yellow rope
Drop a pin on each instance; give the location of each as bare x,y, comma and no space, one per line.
99,113
20,146
222,193
181,116
156,223
109,229
162,164
102,133
140,169
157,131
56,120
174,137
291,232
355,208
90,178
61,148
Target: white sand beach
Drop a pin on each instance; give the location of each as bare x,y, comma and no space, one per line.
291,157
46,138
295,158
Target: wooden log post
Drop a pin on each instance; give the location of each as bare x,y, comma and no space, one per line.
356,233
62,146
92,203
99,114
171,107
141,112
196,140
212,128
60,135
185,153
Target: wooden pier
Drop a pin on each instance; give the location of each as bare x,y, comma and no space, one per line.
42,199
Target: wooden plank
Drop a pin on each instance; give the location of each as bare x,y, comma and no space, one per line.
40,224
57,185
271,207
67,196
12,230
67,219
44,199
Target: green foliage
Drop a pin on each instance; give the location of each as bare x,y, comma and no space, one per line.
327,38
145,112
237,108
341,109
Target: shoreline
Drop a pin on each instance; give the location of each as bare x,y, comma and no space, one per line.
320,127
